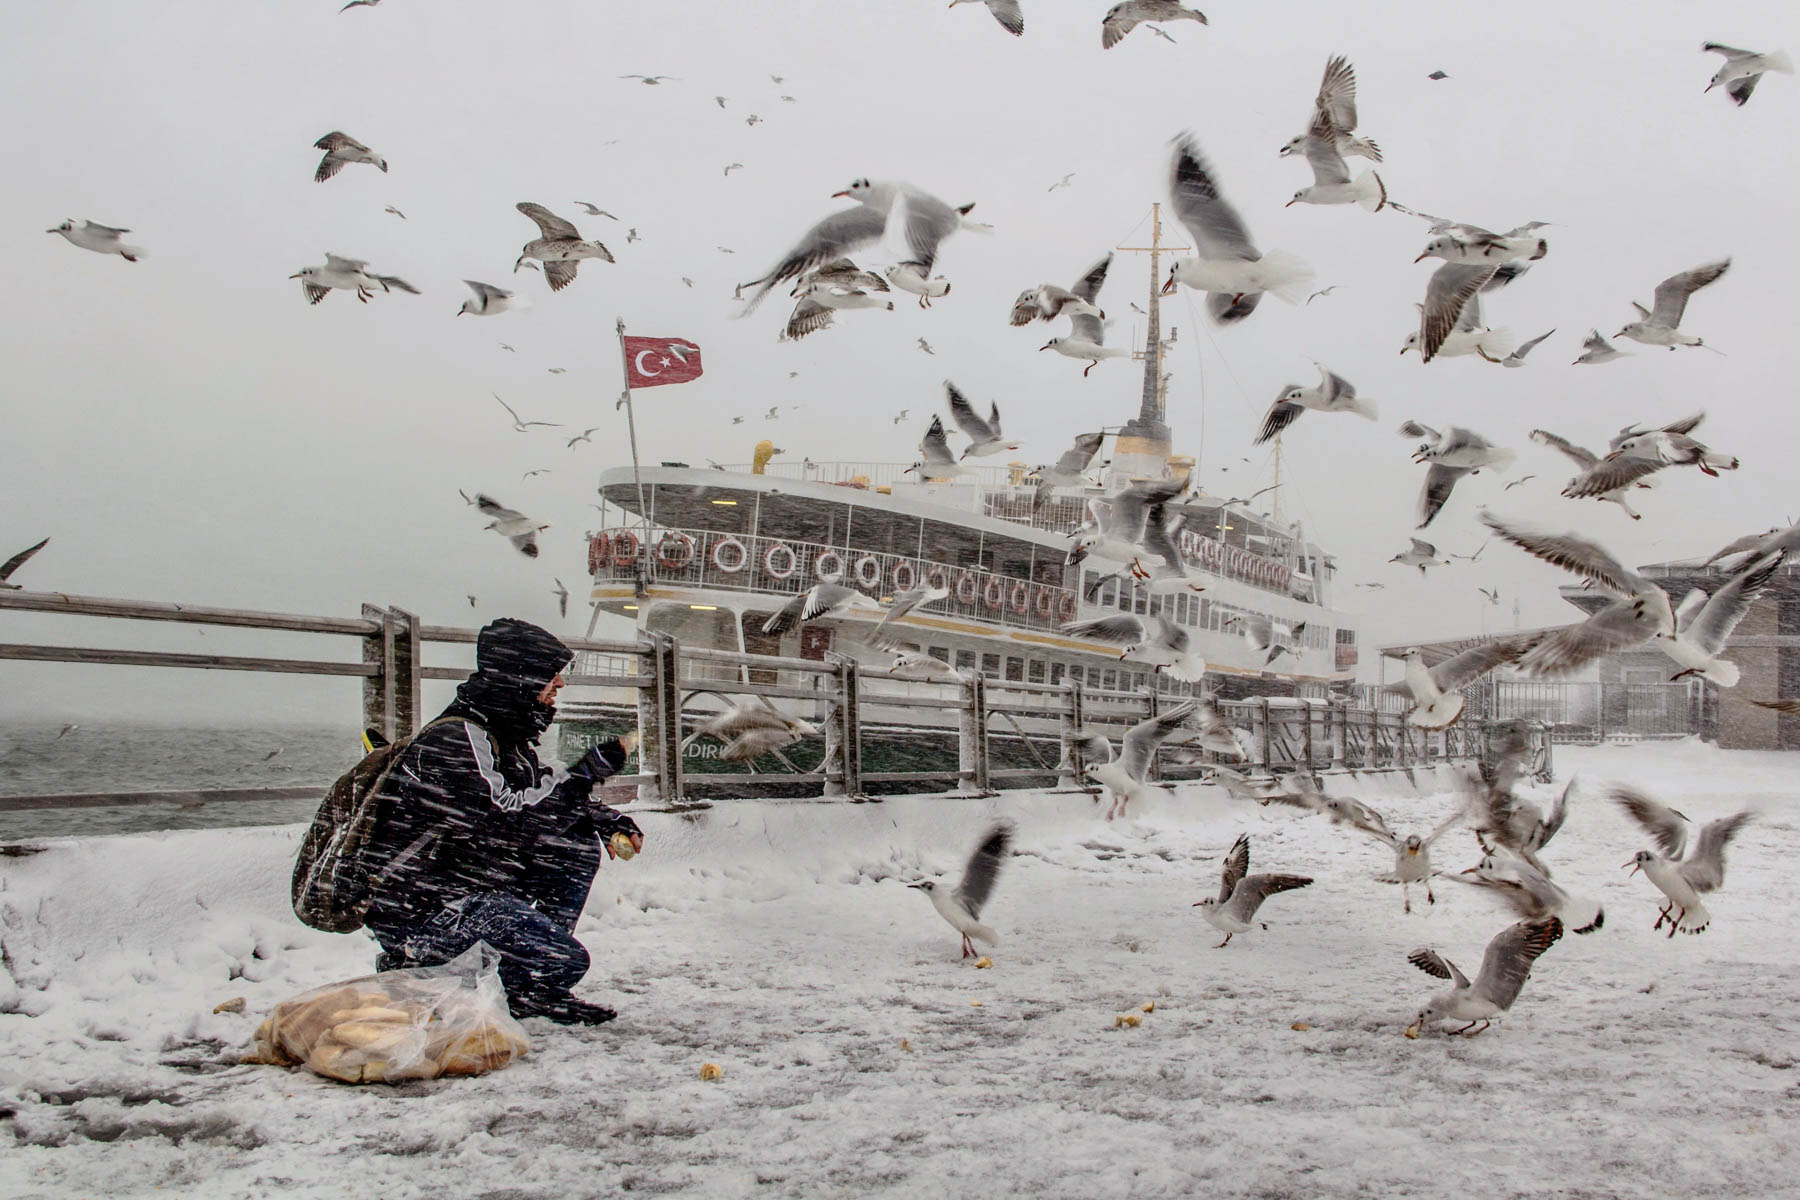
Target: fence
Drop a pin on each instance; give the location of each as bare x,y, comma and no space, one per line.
670,690
1588,712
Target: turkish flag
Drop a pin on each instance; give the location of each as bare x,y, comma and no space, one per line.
652,362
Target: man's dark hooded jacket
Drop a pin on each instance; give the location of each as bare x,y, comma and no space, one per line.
472,795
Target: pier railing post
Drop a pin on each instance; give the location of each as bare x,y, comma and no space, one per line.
378,689
971,738
659,721
843,731
1263,739
1337,717
1152,706
1070,772
406,663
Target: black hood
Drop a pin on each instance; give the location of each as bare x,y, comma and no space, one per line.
513,661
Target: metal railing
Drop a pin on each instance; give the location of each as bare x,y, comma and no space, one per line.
1589,712
1002,732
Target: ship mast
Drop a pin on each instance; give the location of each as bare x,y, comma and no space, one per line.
1142,450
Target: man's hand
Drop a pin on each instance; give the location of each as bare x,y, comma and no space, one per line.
637,845
617,822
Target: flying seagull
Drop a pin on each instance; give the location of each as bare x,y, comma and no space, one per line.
1437,691
1122,18
514,526
347,274
1005,11
1170,646
1241,894
15,562
1682,881
1336,106
340,148
1334,393
1412,853
985,437
1743,69
593,211
562,599
1048,301
1228,266
821,600
101,239
1420,555
1127,777
1657,326
1587,460
559,247
962,906
750,731
1504,969
1596,349
522,425
1530,892
488,301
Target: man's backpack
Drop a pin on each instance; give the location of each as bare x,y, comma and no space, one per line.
334,877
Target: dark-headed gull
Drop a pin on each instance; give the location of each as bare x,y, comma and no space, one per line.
520,425
1005,11
962,906
1517,357
1587,460
1683,881
1170,646
1421,555
1638,453
984,437
1596,349
1069,469
840,272
1124,524
510,524
340,148
1264,635
1743,68
1227,265
1334,393
1454,453
101,239
488,300
1412,853
1657,326
1047,301
935,459
348,274
1122,18
1450,318
1437,691
823,599
1127,776
1241,894
1499,816
1336,104
1504,969
15,562
1331,175
1702,623
560,247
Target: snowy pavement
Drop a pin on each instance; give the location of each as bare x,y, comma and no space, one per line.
860,1057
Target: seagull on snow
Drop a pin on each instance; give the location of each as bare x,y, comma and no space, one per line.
962,906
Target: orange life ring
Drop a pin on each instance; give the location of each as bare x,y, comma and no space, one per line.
599,545
683,551
1020,599
1066,606
966,587
1045,604
624,548
937,576
737,563
829,567
993,593
790,564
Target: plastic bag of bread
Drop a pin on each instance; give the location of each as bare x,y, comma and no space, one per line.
397,1025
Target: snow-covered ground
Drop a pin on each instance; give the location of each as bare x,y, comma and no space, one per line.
861,1057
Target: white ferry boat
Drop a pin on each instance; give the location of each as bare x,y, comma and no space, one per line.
707,555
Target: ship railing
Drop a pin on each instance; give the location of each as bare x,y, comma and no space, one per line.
705,558
1006,733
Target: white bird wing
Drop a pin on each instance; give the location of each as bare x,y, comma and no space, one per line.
1462,669
1617,626
1672,293
1123,630
1007,13
984,868
1212,222
1336,100
824,597
338,140
1095,749
809,316
1452,288
487,293
491,507
843,232
548,223
1728,605
1087,326
1437,966
1235,867
1507,964
1728,51
967,419
1583,458
1142,740
1425,548
926,221
1527,347
1322,152
1668,827
1440,481
20,559
1610,474
1573,553
1252,890
1412,428
1705,868
1080,456
338,262
935,445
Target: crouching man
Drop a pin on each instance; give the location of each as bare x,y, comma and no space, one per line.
485,843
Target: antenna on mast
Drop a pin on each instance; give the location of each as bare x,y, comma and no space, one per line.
1142,451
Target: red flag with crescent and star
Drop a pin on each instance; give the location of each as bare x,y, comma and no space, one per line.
654,361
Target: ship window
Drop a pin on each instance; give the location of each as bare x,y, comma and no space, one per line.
1034,671
990,665
965,660
1109,680
1139,602
1056,672
941,653
1015,669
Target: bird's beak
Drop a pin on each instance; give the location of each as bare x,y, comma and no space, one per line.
835,195
1403,351
1414,850
462,312
1043,348
1423,255
1412,1031
1292,202
1168,289
295,275
52,231
1633,864
920,884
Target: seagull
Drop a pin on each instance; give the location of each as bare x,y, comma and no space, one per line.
1452,454
1743,68
901,415
1637,453
1047,301
1517,357
489,301
1657,326
1336,105
1122,18
750,732
1126,778
1241,894
593,211
1682,881
101,239
821,600
719,100
936,461
1436,75
1436,692
631,235
1587,460
1123,525
1005,11
559,247
349,274
1331,175
1504,969
523,425
358,4
1598,350
562,598
818,302
1263,634
1530,892
1450,319
1641,610
1068,470
1412,853
843,273
914,661
962,907
903,603
1322,292
730,167
1171,646
753,119
649,80
341,148
1461,242
1063,182
910,277
515,527
539,471
1334,393
1421,555
66,730
586,435
15,562
926,346
774,413
1703,624
984,437
1499,817
1515,483
926,221
1492,594
1228,266
391,209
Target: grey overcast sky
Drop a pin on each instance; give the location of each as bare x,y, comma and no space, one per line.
186,428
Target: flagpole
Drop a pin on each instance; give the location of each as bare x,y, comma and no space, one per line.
636,472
